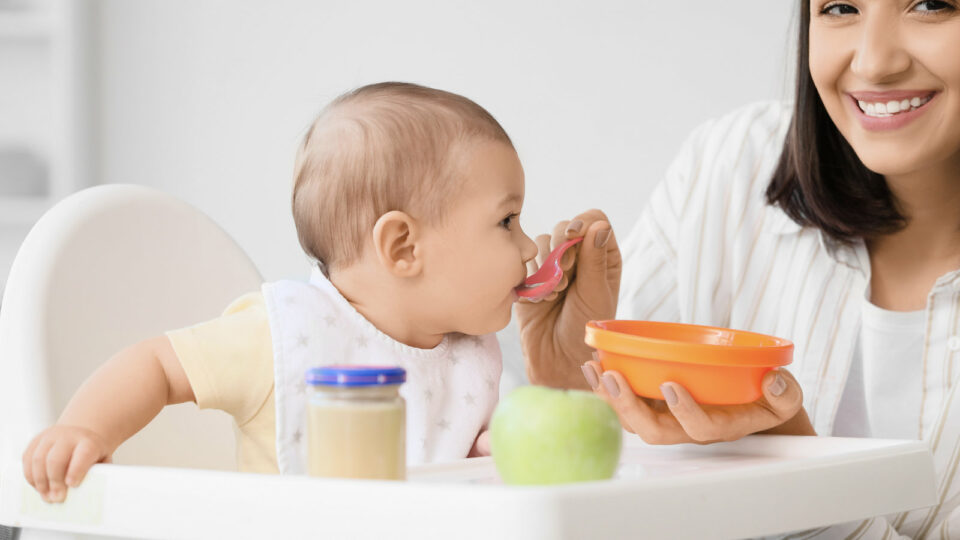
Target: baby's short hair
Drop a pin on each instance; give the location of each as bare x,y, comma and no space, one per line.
379,148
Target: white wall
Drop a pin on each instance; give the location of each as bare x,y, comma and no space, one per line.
207,99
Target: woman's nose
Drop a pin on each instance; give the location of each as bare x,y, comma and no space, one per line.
880,56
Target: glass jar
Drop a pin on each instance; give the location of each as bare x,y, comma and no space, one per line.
356,422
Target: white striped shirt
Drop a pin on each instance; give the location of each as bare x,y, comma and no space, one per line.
709,250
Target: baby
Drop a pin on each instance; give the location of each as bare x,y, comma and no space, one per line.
408,199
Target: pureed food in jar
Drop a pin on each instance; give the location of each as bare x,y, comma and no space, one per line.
356,422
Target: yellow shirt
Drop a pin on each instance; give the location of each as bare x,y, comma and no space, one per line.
229,362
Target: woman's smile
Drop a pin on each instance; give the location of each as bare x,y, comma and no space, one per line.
884,111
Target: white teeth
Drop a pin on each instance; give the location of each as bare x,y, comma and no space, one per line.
891,108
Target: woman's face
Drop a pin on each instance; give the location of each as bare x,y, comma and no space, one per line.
888,72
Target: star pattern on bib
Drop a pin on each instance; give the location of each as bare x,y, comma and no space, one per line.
469,399
303,340
443,424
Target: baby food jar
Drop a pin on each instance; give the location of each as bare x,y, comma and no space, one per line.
356,422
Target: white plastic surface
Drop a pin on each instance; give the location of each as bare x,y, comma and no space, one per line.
757,486
101,270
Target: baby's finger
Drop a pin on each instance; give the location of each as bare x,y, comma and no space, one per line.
57,461
27,459
38,462
84,456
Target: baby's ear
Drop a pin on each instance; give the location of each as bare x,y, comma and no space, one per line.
395,238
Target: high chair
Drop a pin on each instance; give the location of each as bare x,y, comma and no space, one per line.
115,264
104,268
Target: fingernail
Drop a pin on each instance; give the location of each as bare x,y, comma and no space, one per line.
71,482
601,238
611,385
668,394
778,386
574,226
590,375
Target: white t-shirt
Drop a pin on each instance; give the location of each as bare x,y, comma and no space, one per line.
884,390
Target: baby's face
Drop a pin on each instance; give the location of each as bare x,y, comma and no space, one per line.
477,256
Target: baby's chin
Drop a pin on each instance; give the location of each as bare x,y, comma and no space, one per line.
495,322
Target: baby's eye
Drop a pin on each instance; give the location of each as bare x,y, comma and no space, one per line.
507,221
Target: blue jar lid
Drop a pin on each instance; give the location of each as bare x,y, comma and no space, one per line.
356,375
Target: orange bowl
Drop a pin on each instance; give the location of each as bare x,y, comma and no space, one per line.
718,366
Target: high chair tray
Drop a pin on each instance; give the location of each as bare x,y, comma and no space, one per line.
759,485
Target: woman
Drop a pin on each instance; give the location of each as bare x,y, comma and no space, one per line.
833,222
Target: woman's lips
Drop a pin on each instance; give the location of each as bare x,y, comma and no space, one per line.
888,111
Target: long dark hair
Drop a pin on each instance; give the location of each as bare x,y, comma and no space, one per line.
819,180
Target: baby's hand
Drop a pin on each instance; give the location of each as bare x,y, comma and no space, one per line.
481,446
60,456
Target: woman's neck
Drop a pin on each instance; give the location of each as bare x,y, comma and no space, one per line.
906,264
930,201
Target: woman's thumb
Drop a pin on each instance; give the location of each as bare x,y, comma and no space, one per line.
783,393
592,262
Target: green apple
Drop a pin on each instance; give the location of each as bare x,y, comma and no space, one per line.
539,435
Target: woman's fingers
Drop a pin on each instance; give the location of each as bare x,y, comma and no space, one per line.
783,395
692,418
636,416
782,400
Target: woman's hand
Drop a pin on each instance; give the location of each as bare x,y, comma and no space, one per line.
680,419
552,329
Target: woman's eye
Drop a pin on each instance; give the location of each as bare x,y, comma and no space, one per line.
932,6
839,9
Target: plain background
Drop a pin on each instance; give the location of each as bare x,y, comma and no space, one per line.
207,99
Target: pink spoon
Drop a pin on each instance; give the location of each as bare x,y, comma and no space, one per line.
546,279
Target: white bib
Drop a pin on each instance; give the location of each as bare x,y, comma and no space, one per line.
451,390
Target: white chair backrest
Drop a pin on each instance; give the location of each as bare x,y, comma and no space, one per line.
103,269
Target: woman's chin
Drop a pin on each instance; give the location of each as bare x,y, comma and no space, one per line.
891,161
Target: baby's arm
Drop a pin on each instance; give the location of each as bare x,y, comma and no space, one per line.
481,445
118,400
